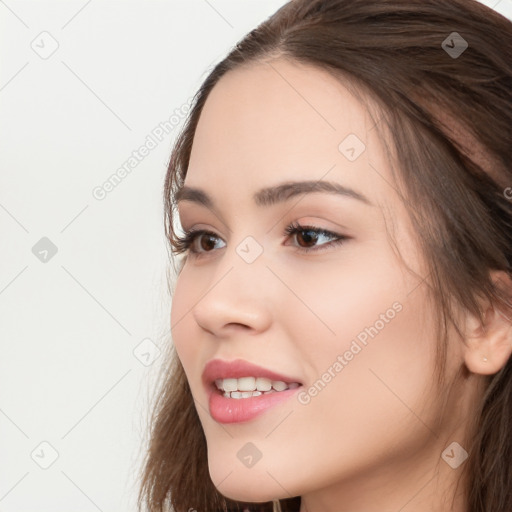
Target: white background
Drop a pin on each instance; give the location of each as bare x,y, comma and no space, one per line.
69,326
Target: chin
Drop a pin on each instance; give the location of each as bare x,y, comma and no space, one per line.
248,485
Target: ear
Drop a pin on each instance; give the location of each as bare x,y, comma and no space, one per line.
493,338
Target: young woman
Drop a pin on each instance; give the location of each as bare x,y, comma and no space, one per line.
341,318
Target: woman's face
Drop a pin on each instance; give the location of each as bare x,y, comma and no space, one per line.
346,320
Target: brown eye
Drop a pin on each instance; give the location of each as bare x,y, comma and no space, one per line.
310,235
309,238
206,242
187,243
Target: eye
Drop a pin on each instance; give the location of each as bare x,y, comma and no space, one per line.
187,242
308,235
311,234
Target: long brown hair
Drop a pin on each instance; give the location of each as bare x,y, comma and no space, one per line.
449,118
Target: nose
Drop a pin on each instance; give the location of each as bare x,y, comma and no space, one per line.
238,297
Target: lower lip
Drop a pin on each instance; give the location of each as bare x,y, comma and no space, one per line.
238,410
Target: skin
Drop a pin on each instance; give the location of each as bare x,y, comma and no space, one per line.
372,439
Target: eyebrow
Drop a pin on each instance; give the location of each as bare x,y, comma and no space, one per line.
276,194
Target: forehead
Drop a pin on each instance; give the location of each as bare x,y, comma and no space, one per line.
281,120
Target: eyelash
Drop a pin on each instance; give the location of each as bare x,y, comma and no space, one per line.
184,243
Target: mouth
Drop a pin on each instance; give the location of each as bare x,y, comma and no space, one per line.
247,387
240,376
239,391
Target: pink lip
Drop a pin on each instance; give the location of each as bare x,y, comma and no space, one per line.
220,369
233,410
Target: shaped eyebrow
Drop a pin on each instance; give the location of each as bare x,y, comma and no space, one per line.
276,194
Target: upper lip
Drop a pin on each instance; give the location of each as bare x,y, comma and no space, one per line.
220,369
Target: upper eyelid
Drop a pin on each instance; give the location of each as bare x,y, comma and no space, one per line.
291,226
303,225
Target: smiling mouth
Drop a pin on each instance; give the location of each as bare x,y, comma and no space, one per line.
247,387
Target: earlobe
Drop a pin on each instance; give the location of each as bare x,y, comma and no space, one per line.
488,346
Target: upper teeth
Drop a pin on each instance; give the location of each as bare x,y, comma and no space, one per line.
252,384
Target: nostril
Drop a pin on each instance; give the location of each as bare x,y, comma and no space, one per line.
237,326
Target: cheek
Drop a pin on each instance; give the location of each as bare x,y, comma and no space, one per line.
384,334
358,297
379,397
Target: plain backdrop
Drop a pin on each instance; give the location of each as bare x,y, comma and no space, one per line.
84,307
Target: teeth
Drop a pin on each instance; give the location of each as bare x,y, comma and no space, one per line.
263,384
229,384
279,385
247,384
242,394
246,387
